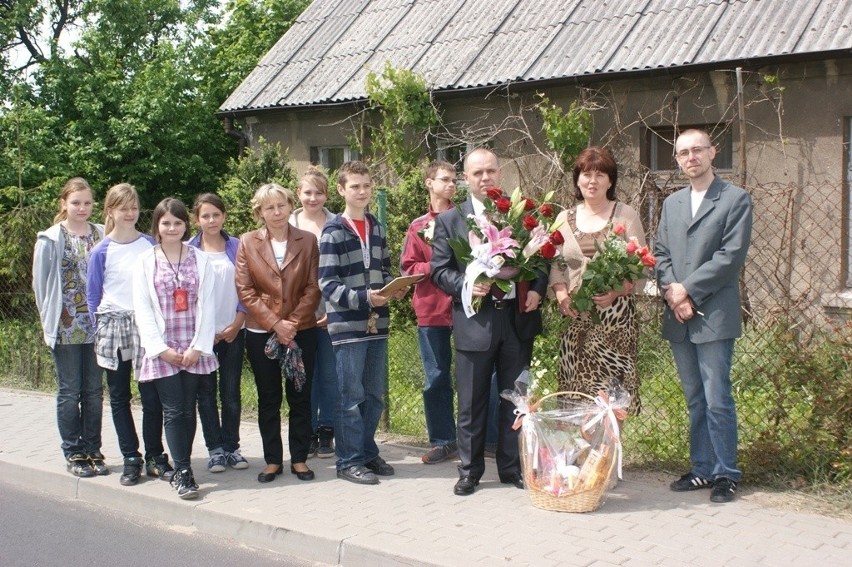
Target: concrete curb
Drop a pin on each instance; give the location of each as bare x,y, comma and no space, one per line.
200,515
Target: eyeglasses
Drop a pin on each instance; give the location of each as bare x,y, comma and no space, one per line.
697,150
445,179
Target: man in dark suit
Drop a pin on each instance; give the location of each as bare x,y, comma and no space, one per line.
499,336
702,242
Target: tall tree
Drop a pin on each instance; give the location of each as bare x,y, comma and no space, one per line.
250,29
131,96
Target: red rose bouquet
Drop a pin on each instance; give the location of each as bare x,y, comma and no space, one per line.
617,260
510,242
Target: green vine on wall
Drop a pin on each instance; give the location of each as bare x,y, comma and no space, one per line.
566,132
404,105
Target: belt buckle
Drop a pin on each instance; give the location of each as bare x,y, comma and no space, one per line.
500,303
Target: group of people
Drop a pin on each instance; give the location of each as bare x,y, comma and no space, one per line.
700,249
178,313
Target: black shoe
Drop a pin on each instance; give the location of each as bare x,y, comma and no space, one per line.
314,446
302,475
132,470
514,479
724,490
326,442
465,485
689,482
380,467
358,474
79,465
269,477
159,466
184,482
96,459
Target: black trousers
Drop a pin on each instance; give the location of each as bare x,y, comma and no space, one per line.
509,355
271,388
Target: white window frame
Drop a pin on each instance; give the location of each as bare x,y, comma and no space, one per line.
348,154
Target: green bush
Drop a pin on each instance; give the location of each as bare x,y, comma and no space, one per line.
267,163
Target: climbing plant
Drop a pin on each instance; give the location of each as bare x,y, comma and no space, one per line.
566,132
406,115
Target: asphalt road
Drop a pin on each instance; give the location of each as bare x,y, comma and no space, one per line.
37,529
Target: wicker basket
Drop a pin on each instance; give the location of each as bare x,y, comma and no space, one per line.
580,500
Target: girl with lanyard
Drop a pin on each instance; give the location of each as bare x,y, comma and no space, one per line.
174,302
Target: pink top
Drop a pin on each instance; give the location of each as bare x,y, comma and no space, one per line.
180,325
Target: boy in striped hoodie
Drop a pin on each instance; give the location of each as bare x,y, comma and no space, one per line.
354,265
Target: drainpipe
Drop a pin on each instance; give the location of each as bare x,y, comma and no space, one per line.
235,133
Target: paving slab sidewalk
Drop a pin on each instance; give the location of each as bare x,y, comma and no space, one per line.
414,519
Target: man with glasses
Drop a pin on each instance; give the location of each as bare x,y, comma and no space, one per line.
434,311
702,242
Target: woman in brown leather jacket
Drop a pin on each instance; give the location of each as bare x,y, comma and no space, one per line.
277,283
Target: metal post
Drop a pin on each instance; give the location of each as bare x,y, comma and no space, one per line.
742,124
382,213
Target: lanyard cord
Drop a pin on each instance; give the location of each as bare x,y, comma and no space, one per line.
178,277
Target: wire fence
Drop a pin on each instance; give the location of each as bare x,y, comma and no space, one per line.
791,374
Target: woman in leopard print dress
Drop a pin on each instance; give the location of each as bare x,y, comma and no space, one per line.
595,356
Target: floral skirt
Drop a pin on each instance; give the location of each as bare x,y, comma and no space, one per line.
599,356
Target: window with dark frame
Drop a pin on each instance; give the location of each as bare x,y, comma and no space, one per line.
658,146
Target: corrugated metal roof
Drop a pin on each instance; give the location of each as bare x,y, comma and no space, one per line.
456,44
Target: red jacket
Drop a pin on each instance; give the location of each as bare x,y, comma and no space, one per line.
432,306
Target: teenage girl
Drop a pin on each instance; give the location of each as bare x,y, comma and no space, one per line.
175,311
59,283
312,216
222,438
109,294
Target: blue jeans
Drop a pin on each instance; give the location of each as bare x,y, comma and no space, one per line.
224,436
437,354
118,382
79,401
705,375
362,372
177,395
324,387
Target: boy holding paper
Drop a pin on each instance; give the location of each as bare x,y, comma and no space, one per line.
354,266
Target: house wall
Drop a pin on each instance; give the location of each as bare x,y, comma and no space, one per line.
794,115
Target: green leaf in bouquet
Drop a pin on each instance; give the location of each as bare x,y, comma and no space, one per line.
461,249
582,303
504,285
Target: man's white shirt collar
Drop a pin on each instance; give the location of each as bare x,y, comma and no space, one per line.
478,206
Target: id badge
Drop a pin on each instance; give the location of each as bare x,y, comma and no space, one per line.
181,299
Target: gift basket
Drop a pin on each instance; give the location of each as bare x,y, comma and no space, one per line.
570,448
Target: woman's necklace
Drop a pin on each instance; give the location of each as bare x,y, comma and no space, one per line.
602,211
